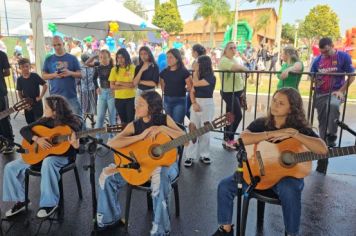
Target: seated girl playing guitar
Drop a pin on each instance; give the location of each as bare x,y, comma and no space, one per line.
57,112
151,121
285,119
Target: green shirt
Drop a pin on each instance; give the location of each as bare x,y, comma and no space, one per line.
226,65
292,81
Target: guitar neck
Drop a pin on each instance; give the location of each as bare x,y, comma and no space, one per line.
7,112
82,134
185,138
334,152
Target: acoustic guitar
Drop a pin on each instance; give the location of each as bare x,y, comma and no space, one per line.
25,103
270,162
160,152
59,137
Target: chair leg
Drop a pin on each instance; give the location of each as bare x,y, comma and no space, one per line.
61,199
79,186
176,199
127,209
27,180
149,202
245,205
260,214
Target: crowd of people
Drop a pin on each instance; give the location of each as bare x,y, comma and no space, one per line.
127,92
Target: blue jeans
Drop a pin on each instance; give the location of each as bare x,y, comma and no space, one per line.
14,180
106,102
175,107
109,210
288,189
74,103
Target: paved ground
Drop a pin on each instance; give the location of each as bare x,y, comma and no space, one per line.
329,202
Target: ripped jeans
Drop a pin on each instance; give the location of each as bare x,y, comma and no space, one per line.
109,210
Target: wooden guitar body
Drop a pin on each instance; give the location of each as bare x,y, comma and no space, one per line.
35,153
265,160
142,152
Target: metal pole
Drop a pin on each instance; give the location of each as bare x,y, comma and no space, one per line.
236,18
7,21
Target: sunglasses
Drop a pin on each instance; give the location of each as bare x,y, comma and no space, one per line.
232,48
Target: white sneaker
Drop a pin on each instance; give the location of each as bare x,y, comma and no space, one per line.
188,162
44,212
17,208
205,160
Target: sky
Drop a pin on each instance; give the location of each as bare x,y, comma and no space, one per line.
18,11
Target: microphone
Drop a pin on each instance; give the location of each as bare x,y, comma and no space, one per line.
344,126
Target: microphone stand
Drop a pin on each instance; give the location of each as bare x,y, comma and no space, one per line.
92,149
241,157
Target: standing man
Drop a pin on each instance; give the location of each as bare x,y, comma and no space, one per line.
250,54
5,125
60,70
330,61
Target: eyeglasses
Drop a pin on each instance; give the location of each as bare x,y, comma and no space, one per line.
231,48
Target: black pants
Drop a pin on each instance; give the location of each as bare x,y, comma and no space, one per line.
5,125
233,105
35,113
125,108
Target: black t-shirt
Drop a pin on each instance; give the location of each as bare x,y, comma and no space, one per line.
174,81
30,87
259,125
103,73
206,91
4,65
151,74
157,120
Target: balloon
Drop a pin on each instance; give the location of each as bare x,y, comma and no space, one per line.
143,25
164,35
114,27
162,61
111,43
52,27
59,34
88,39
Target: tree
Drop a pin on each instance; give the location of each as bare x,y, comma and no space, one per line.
174,3
167,17
136,7
156,5
288,33
212,11
262,23
321,21
279,19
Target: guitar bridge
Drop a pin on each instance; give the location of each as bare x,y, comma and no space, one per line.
260,163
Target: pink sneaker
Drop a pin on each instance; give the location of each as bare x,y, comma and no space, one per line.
229,145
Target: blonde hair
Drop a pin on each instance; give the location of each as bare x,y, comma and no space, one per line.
227,45
292,53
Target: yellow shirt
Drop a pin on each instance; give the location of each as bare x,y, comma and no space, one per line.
123,75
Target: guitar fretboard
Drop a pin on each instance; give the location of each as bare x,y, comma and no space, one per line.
334,152
186,138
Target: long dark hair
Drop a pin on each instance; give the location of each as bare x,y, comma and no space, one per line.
205,67
154,101
63,112
296,118
111,63
124,53
199,49
175,52
150,55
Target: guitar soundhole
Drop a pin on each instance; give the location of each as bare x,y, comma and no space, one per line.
54,140
287,159
156,152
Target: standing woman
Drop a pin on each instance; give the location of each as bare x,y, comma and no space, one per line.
146,73
202,108
231,91
292,64
106,100
121,80
198,50
174,80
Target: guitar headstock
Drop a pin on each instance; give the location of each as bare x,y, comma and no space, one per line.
223,120
23,104
115,128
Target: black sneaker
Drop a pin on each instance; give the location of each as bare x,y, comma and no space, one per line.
119,223
322,166
331,140
17,208
205,160
44,212
188,162
222,232
8,150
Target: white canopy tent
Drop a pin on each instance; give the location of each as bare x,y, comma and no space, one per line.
95,20
25,30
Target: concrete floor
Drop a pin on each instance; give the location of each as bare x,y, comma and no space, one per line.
329,202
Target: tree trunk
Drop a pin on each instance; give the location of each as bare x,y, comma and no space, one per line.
211,33
156,5
279,28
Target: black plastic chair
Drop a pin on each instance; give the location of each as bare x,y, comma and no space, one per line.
36,171
262,197
147,188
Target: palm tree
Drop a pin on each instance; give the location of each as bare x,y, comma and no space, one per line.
262,23
279,20
212,11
